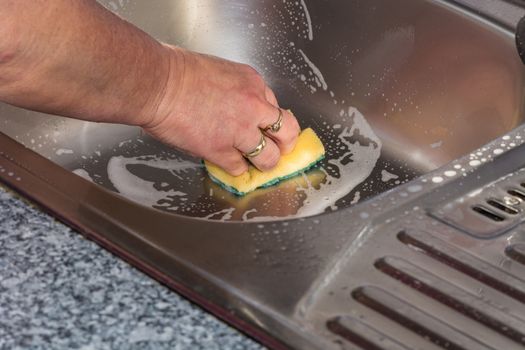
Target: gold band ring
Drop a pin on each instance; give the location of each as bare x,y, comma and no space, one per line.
275,127
257,150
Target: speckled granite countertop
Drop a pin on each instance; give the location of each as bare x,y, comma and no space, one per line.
61,291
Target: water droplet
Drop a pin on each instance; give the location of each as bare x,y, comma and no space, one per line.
415,188
437,179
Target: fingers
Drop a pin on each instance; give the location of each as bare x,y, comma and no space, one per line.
277,143
286,137
270,96
270,154
232,162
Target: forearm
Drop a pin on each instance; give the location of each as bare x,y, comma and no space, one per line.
77,59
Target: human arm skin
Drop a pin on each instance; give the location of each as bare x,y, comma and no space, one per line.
77,59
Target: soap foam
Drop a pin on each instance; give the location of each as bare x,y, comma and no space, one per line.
364,159
139,190
352,167
353,150
308,21
83,173
387,176
62,151
318,75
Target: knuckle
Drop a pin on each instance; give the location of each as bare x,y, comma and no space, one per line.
270,160
290,139
235,168
255,100
237,171
251,100
291,131
246,141
288,135
243,124
230,161
9,43
250,70
254,76
271,98
294,122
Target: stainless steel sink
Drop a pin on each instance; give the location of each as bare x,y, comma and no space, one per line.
430,93
423,98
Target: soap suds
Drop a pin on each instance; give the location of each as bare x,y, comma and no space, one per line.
83,173
138,189
414,188
436,144
387,176
437,179
222,215
62,151
364,159
308,21
320,78
353,149
356,198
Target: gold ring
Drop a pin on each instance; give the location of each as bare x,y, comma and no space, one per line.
257,150
275,127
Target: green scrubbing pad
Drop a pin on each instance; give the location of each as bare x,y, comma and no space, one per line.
308,151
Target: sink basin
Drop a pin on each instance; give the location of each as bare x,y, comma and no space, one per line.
395,89
392,92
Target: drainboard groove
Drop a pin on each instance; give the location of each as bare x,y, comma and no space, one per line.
496,203
517,193
414,319
489,214
516,252
450,295
487,211
465,263
362,334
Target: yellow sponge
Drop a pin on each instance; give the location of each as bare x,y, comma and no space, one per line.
307,152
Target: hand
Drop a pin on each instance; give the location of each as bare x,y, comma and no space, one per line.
215,109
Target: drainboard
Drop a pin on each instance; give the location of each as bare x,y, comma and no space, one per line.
487,211
405,298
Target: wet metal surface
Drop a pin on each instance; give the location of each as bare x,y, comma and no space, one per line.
424,93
